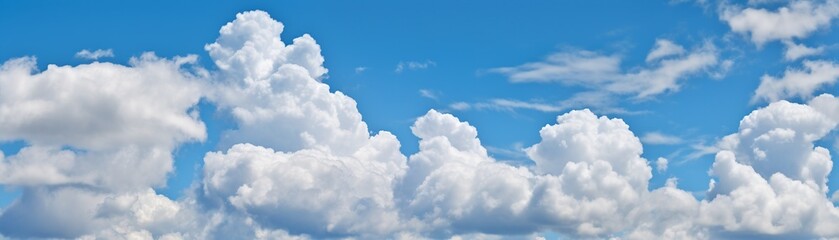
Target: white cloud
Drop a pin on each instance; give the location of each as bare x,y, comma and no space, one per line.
578,187
603,73
515,104
94,131
801,83
310,191
772,179
428,94
657,138
359,70
571,68
302,163
460,106
661,164
796,51
664,48
414,65
600,102
317,171
95,55
796,20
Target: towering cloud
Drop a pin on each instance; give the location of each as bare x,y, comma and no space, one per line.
301,163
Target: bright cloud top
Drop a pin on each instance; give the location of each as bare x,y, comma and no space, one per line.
303,164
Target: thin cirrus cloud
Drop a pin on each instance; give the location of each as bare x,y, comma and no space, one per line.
657,138
320,173
430,94
667,65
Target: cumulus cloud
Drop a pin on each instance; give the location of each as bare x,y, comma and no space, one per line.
771,177
661,164
801,83
577,187
109,136
796,20
302,159
667,64
301,163
95,55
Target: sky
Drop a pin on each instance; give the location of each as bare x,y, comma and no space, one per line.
419,120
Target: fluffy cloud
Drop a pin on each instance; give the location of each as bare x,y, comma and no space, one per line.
667,64
307,163
771,177
453,186
95,132
801,83
798,19
302,164
577,187
594,188
661,164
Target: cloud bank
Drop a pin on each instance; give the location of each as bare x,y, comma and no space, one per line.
302,163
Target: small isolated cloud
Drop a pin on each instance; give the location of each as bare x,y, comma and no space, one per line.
796,51
95,55
414,65
797,19
800,83
661,164
428,94
657,138
359,70
599,101
460,106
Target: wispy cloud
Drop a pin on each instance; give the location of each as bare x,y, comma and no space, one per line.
359,70
657,138
460,106
95,55
429,94
667,65
597,101
414,65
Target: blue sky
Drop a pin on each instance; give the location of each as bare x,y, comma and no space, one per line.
398,60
